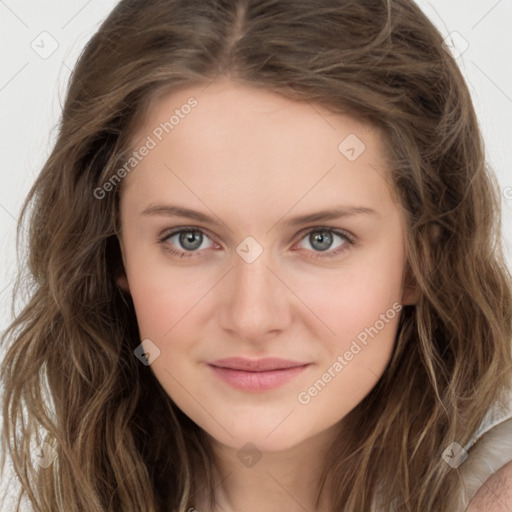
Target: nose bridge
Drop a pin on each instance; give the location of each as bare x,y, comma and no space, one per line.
255,302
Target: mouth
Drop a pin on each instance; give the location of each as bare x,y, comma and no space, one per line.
256,375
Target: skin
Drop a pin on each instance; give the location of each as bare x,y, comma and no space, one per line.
252,160
496,493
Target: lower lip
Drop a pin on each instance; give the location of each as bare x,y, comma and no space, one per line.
257,381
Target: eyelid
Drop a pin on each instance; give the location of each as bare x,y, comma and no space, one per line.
178,229
350,240
336,231
174,231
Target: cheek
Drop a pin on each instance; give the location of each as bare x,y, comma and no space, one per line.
347,301
351,300
362,305
164,296
176,308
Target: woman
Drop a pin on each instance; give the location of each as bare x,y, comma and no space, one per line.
266,271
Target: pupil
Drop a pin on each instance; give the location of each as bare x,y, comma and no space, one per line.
191,240
321,240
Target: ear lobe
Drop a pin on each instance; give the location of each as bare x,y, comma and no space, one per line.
410,290
410,295
120,272
122,282
121,278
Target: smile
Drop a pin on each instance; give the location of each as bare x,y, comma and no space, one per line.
256,375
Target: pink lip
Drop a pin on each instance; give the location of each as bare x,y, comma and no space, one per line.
258,374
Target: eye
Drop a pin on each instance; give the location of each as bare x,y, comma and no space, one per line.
186,242
328,241
323,242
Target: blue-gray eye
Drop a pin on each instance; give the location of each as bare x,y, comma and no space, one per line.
190,240
321,240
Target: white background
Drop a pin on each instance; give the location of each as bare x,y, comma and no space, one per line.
32,91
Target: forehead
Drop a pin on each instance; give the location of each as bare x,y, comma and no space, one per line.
235,141
227,108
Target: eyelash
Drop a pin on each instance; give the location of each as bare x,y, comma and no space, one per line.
348,239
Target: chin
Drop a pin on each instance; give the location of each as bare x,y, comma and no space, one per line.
263,439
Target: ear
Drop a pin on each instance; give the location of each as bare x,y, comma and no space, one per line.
121,277
410,291
122,281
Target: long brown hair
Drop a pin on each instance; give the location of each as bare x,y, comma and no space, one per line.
70,376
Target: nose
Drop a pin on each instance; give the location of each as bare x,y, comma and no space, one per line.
256,304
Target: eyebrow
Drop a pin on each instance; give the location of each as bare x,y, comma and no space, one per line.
329,214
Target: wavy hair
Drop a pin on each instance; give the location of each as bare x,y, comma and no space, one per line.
70,377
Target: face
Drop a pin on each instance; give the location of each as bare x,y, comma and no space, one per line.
264,252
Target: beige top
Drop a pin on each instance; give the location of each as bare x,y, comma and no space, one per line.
489,449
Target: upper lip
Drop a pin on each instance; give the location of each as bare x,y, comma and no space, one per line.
256,365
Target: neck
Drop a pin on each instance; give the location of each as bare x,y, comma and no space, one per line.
251,481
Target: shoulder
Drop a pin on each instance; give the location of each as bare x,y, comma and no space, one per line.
487,470
495,495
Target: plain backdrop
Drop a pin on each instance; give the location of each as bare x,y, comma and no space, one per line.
41,41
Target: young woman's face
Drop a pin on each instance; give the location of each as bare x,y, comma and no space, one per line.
264,253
